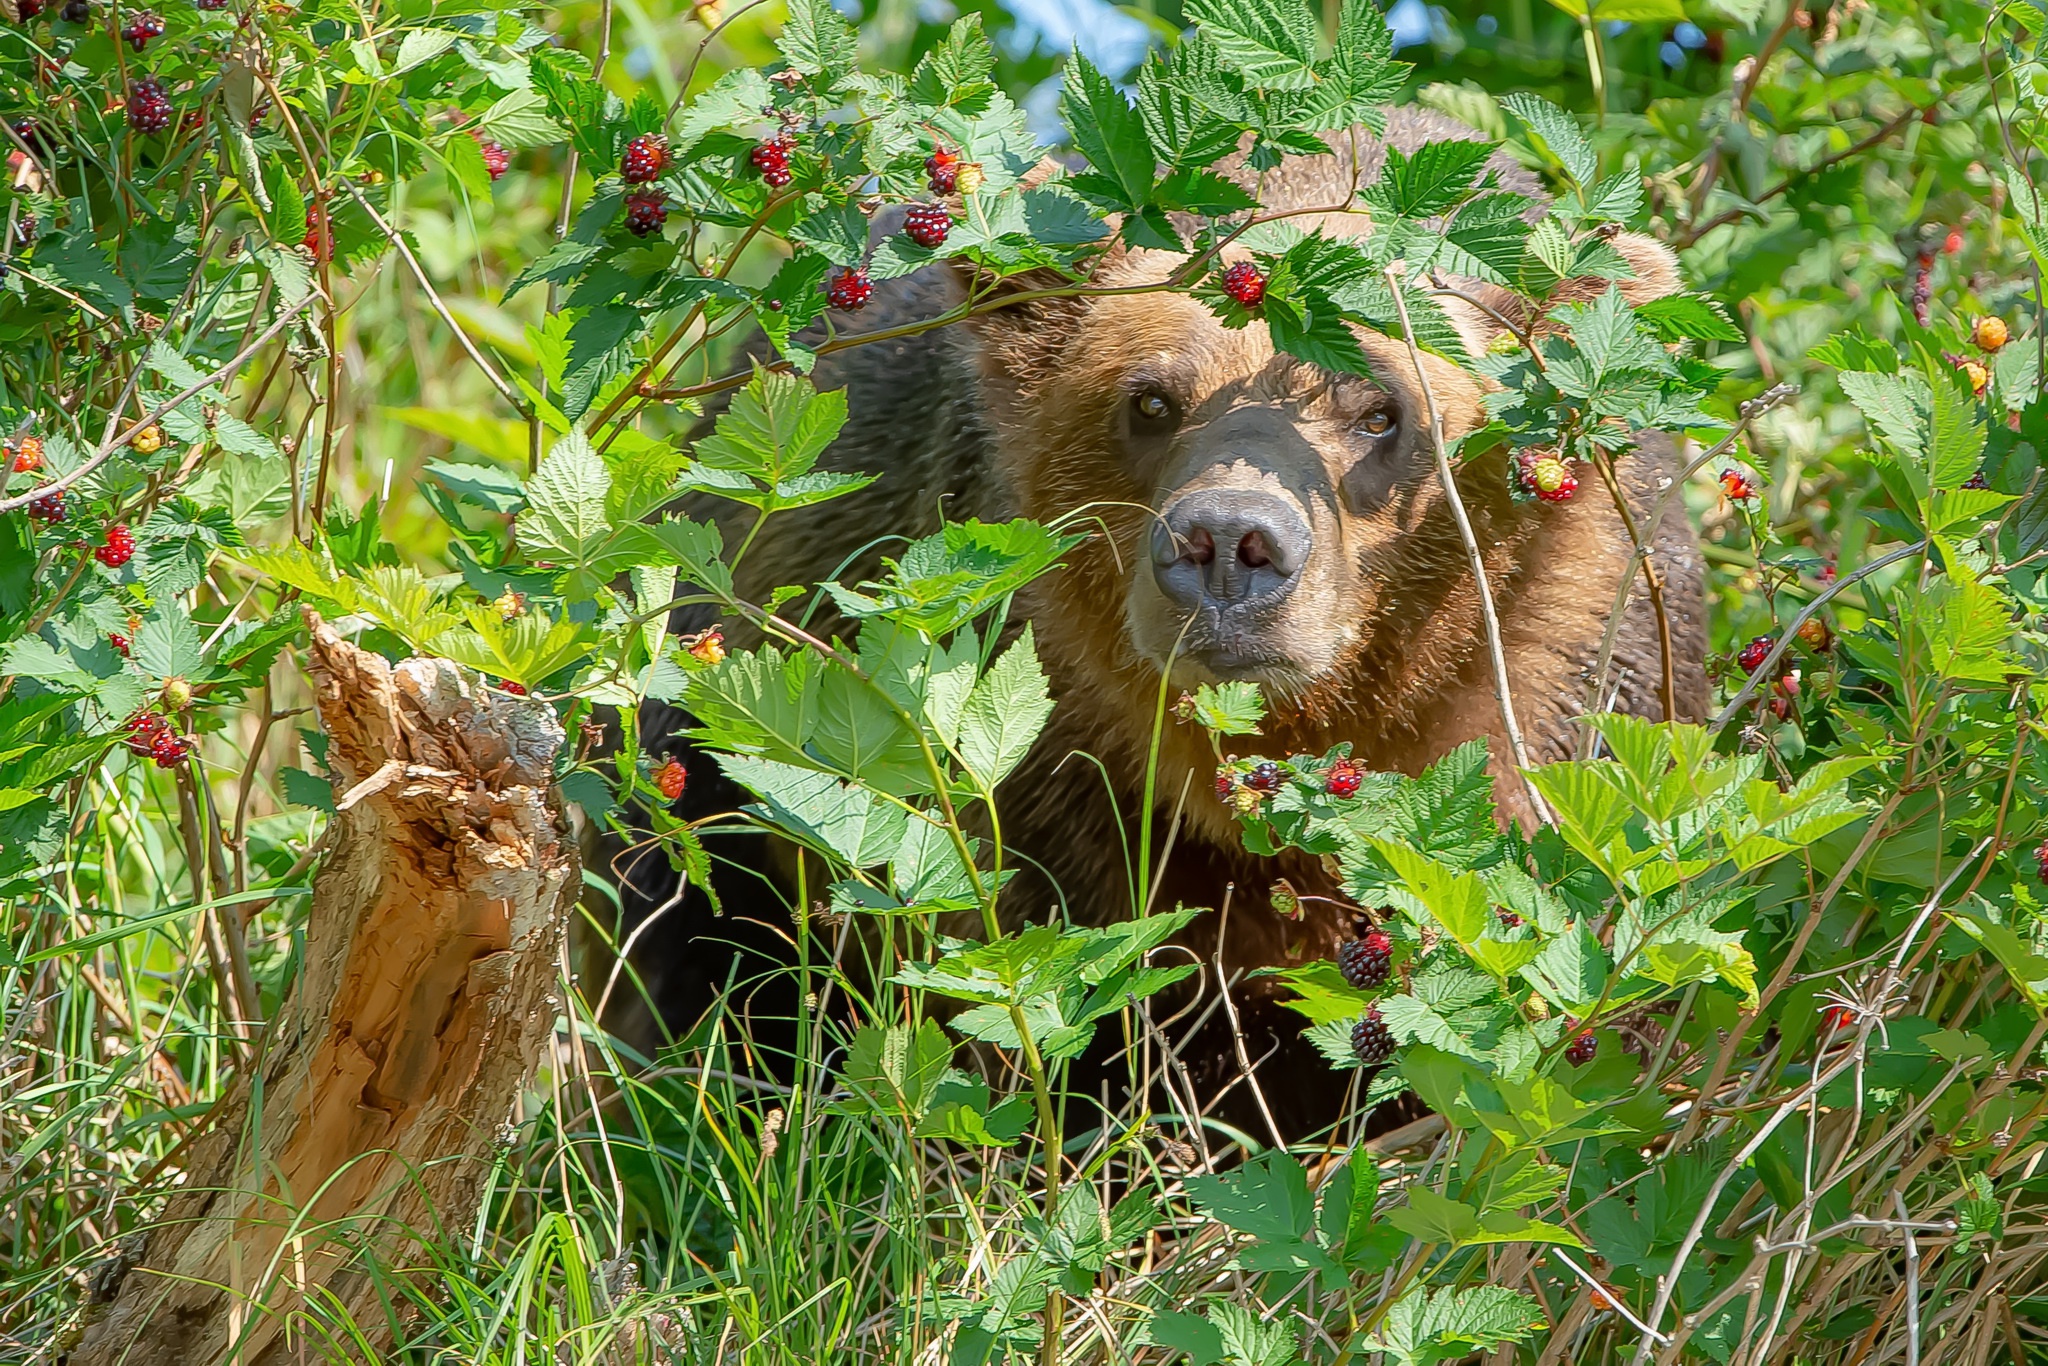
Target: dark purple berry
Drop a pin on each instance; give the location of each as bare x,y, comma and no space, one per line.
943,168
1753,655
141,29
1371,1040
48,508
1507,918
77,11
1366,960
646,213
1264,777
1580,1050
30,9
149,109
927,224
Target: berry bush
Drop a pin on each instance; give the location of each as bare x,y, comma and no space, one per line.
424,317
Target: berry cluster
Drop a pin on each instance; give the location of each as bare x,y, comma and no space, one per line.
1581,1049
849,288
152,736
646,213
927,225
1367,960
211,4
1245,283
149,108
1371,1040
672,778
644,158
141,29
497,160
516,689
771,159
116,548
1990,334
2041,861
1265,777
80,11
1751,657
942,171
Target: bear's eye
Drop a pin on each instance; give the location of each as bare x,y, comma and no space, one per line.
1153,412
1377,424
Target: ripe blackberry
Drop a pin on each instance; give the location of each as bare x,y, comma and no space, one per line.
117,548
1344,778
849,288
771,159
48,508
1264,777
942,169
1977,481
211,4
28,455
1752,655
497,160
1371,1040
319,238
1737,487
77,11
646,213
168,748
1366,960
141,29
149,109
1990,334
672,778
927,224
644,158
1245,283
1580,1050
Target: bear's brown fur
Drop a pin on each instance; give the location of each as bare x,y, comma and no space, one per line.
1029,412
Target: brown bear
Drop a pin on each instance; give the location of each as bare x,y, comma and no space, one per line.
1259,518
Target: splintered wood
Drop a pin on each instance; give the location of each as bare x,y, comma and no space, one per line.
431,955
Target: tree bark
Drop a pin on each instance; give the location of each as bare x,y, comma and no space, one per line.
426,994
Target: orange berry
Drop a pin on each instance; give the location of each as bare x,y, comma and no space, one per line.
1990,334
672,778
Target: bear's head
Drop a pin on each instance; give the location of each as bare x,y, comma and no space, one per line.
1265,519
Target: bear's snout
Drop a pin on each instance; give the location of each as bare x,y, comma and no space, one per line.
1228,550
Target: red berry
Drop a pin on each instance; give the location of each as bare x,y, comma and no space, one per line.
672,778
1371,1040
2041,861
319,238
28,455
645,156
1344,778
516,689
1953,243
771,159
116,549
149,109
1507,918
1226,784
1753,654
1245,283
1977,481
927,224
646,213
849,288
943,168
49,507
1264,777
119,642
143,729
1837,1018
1737,486
496,159
141,28
1366,960
30,9
168,748
211,4
1580,1050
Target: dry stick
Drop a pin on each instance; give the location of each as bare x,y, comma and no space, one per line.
1478,562
1791,632
1244,1060
1653,582
114,443
1912,1283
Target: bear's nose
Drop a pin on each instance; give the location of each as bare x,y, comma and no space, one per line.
1228,548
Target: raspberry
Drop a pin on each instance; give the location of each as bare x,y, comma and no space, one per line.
671,779
1977,481
1226,788
1552,480
1737,486
1580,1050
646,213
28,455
1837,1018
148,441
1371,1040
943,170
771,159
1264,777
1366,960
141,29
1752,655
168,748
1953,243
645,156
707,646
1245,283
116,549
49,507
496,159
119,642
927,224
1344,778
143,728
319,238
149,109
2041,861
849,288
516,689
1990,334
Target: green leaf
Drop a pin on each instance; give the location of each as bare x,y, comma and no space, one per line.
2028,969
896,1070
1624,11
1693,316
1437,1218
1556,132
1234,707
1271,43
1432,179
565,497
956,70
1005,712
1108,131
817,41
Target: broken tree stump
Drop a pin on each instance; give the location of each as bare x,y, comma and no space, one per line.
432,949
